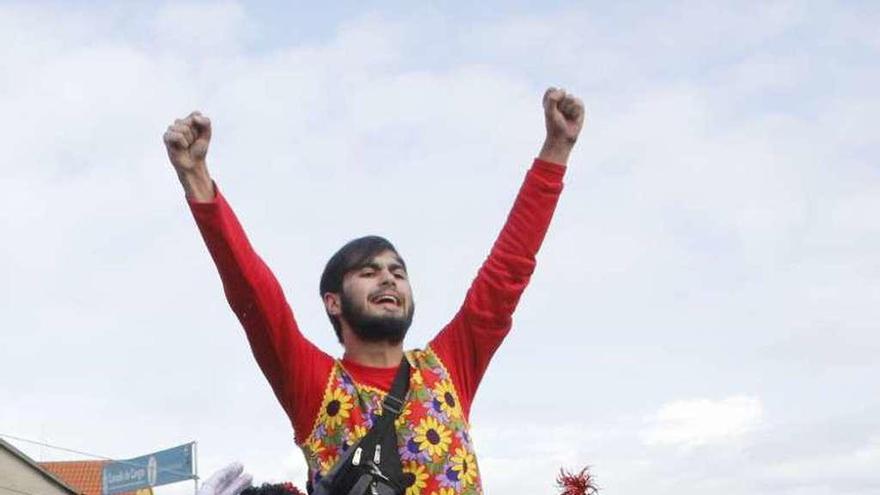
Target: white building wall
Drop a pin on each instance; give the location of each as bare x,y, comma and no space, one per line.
17,477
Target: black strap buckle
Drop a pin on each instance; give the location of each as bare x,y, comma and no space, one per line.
393,404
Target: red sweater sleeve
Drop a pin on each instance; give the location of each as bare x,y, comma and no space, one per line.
296,369
468,342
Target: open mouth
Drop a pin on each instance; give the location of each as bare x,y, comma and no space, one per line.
384,299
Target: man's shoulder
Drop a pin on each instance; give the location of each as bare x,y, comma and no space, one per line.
427,359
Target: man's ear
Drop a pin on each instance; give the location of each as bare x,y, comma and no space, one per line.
332,303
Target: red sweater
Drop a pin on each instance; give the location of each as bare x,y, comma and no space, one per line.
298,371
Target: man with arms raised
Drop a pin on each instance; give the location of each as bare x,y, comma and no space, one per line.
365,288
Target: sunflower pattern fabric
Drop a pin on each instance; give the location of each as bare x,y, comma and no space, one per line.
432,432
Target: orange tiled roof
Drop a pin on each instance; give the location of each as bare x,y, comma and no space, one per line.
84,476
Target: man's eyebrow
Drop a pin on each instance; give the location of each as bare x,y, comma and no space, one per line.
372,265
394,265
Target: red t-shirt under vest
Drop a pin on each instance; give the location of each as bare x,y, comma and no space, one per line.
331,403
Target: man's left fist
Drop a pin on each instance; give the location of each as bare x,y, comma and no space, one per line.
563,115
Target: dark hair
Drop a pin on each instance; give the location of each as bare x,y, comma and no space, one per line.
353,255
286,488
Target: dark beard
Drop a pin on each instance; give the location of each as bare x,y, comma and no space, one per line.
369,328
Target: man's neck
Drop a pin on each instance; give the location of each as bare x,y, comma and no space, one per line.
375,354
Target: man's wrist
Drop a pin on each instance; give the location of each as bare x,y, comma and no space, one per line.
555,151
197,184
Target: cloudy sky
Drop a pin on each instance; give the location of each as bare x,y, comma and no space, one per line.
704,313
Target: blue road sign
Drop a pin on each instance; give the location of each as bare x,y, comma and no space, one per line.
159,468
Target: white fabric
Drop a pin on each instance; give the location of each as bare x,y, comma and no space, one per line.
228,481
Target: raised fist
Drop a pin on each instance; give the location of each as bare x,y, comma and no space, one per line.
187,142
563,115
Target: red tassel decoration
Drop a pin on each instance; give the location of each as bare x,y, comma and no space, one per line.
576,484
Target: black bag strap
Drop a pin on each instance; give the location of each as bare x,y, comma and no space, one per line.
376,453
391,408
396,397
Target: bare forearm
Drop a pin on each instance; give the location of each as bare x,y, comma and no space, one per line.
197,184
555,152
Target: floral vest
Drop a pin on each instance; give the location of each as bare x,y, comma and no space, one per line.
432,432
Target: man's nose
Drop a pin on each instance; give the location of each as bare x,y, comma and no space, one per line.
387,278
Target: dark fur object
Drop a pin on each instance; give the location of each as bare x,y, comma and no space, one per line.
273,489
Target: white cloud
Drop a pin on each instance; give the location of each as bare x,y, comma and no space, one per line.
695,422
821,473
200,28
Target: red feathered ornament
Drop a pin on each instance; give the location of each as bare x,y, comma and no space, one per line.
292,489
581,483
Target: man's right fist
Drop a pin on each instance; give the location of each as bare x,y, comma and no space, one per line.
563,115
187,142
